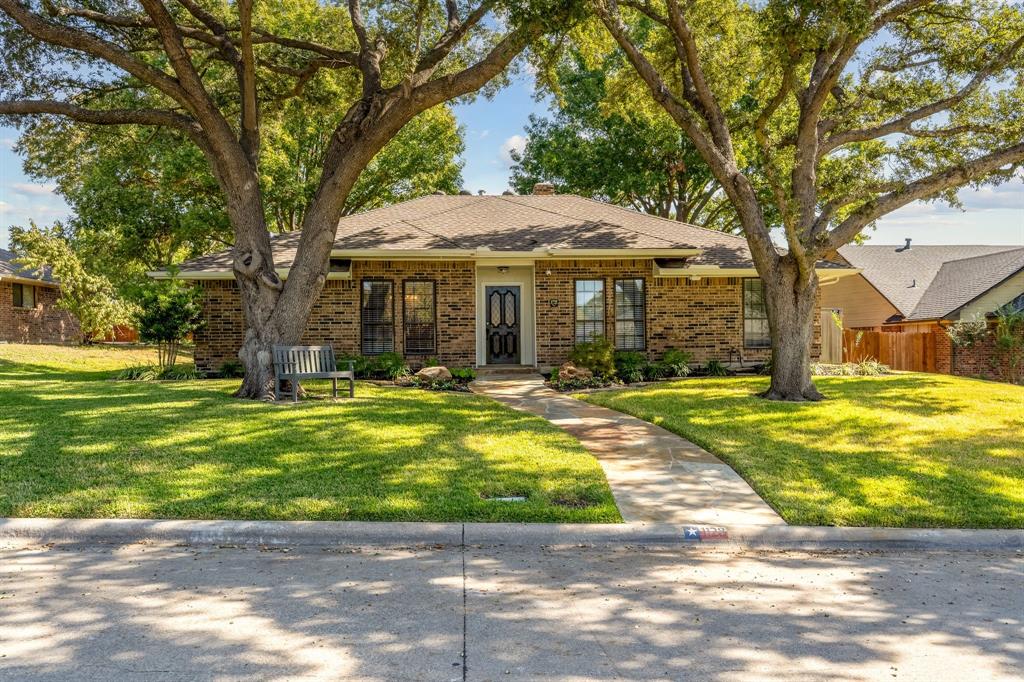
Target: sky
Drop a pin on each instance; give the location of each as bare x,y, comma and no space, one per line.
493,127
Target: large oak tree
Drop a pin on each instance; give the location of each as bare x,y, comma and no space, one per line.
210,69
634,158
854,108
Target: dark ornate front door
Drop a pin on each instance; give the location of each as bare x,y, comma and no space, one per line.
503,325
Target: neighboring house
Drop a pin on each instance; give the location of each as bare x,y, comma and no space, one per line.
28,310
499,280
923,289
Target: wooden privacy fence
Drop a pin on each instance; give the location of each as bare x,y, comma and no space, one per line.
910,351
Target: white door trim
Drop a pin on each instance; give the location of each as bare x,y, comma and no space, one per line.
527,311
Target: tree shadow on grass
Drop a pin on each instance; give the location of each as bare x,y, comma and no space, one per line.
874,465
187,450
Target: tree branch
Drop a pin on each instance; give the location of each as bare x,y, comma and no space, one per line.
82,41
149,117
903,123
923,188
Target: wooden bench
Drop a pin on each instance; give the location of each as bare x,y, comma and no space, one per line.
294,363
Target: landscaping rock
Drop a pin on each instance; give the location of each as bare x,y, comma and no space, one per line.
434,373
569,371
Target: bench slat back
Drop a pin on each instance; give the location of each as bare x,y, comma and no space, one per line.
303,359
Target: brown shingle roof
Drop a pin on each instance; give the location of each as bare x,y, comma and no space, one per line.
8,268
904,275
959,282
509,224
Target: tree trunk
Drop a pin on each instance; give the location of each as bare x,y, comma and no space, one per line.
257,357
792,305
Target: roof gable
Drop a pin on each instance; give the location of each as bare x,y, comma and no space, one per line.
959,282
903,276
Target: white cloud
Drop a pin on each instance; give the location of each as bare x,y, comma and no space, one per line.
483,134
32,189
7,142
515,143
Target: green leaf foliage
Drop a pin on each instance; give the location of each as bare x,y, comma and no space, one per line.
641,162
90,297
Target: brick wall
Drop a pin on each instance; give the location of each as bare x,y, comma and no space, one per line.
335,316
980,360
45,323
704,317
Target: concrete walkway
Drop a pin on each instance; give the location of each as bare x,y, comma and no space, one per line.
655,476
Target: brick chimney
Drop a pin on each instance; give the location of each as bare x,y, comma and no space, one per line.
543,189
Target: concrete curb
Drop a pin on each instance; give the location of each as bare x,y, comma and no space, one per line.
387,534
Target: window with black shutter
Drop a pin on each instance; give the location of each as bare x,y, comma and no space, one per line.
419,321
629,314
378,317
589,309
755,316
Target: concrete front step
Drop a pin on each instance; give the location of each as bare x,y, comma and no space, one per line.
487,371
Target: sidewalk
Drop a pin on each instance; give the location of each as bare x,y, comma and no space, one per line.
655,475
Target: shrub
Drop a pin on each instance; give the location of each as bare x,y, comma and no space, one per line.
231,369
390,366
137,373
966,333
180,373
629,364
715,368
363,365
151,373
676,362
1009,342
463,374
439,384
598,356
653,371
578,383
865,368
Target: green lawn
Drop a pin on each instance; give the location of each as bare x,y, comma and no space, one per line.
74,444
899,450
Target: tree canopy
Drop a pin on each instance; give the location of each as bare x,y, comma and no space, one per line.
630,158
215,72
143,198
846,110
91,298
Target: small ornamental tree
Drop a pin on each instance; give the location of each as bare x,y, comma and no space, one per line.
90,297
170,312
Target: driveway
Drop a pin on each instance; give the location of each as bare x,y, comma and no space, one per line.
655,475
156,612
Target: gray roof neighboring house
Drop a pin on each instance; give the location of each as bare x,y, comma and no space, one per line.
932,282
11,270
540,226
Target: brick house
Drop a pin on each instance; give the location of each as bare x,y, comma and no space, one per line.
914,290
511,280
28,306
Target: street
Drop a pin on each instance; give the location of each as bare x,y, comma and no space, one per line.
159,612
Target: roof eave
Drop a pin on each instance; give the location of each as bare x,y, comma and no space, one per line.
697,271
17,279
207,275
